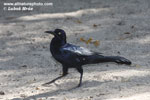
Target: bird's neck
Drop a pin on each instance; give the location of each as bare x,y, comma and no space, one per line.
56,44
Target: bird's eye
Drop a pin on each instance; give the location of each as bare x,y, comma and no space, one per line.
59,33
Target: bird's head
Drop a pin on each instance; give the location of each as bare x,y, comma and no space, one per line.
58,33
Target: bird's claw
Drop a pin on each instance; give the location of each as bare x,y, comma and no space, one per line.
79,85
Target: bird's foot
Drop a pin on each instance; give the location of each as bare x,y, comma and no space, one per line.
76,87
79,85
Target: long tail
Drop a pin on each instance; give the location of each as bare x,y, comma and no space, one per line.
101,59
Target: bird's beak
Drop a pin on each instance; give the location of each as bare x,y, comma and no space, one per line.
50,32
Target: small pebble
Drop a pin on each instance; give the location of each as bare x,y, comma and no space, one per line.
24,66
2,93
127,33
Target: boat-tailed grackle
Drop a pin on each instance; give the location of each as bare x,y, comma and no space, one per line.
72,56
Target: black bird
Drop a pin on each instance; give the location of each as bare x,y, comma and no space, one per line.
72,56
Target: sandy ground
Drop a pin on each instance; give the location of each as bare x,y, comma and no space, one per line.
121,26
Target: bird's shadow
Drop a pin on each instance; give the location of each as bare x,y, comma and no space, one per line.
61,88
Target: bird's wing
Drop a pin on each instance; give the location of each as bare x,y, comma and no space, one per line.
77,50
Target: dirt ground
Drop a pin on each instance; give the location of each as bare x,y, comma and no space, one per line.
122,28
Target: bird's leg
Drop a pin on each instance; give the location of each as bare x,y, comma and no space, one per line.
65,72
80,70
